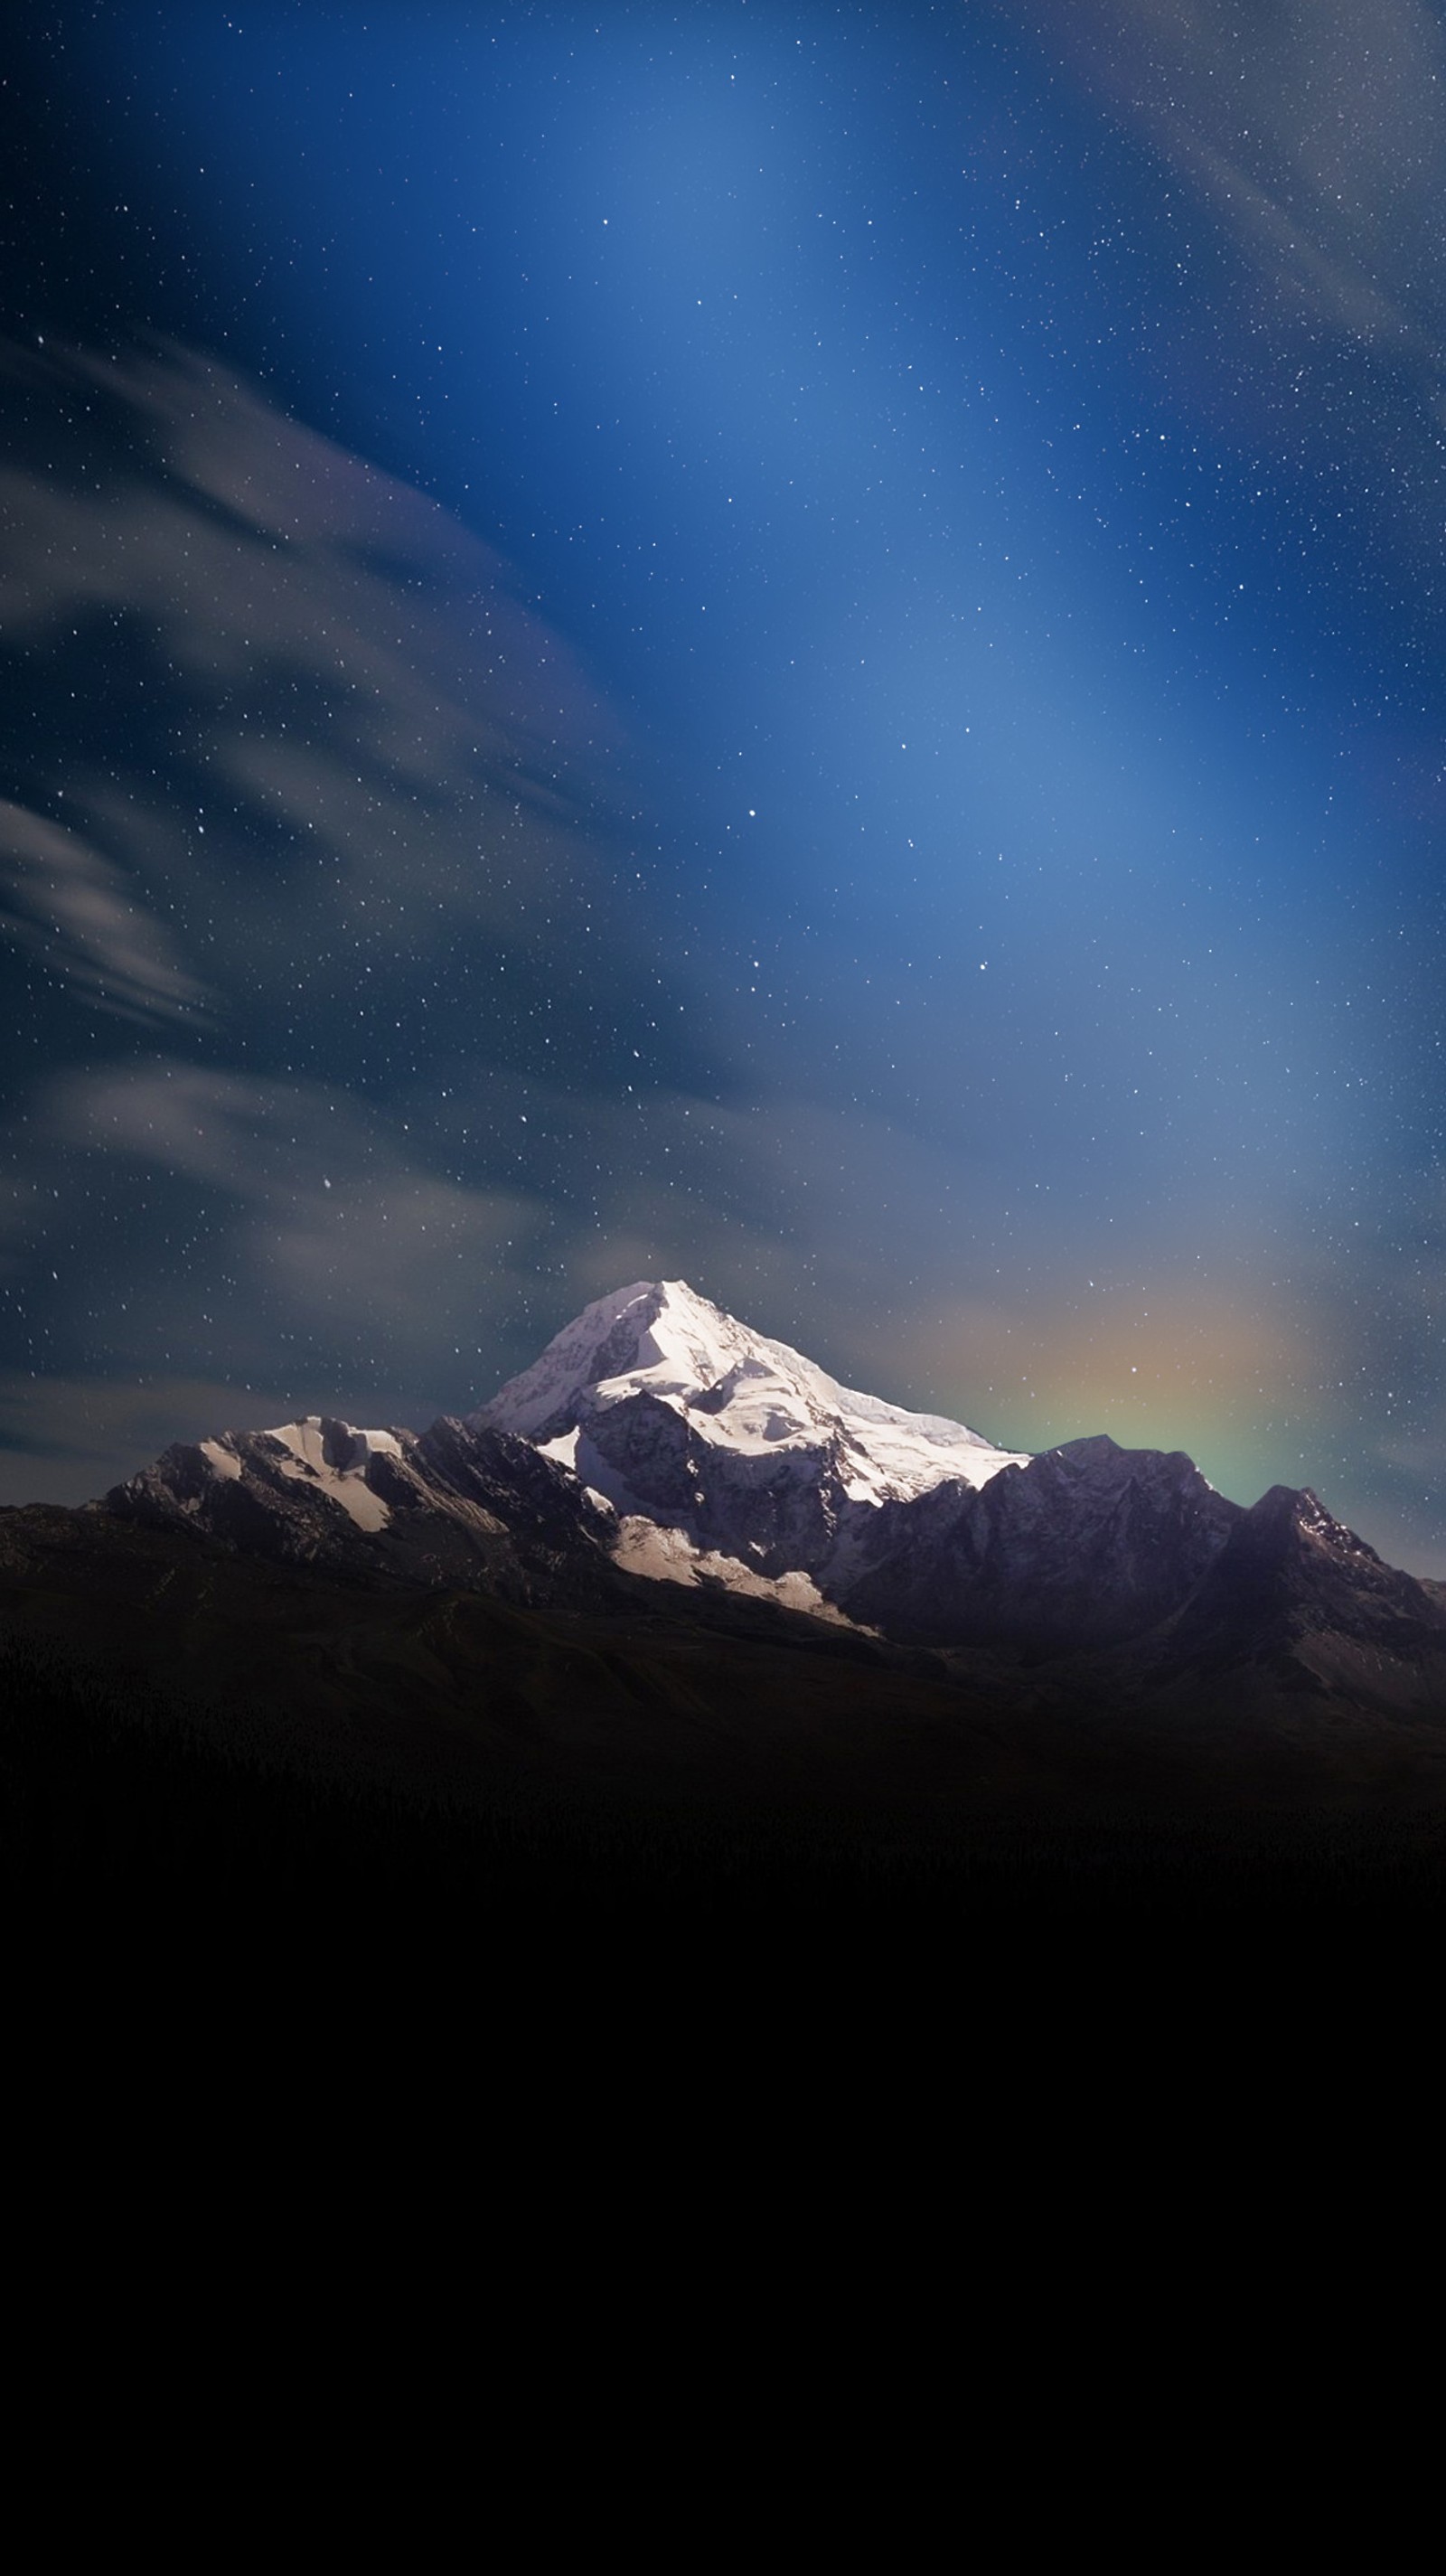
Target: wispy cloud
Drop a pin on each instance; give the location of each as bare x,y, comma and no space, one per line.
66,1439
80,913
1313,127
297,707
302,792
323,1214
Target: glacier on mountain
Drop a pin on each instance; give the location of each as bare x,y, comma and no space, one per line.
735,1390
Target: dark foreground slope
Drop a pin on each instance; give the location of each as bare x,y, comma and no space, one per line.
188,1723
119,1813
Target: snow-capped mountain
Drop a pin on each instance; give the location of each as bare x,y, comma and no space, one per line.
658,1436
732,1459
655,1430
728,1457
734,1390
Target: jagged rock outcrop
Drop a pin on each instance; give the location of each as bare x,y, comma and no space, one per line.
1085,1545
450,1505
1296,1602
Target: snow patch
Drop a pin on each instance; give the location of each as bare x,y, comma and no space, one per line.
222,1462
375,1444
667,1555
306,1443
367,1509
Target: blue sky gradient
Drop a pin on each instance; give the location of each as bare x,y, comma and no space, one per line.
937,518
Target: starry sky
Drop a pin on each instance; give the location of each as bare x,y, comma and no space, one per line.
798,646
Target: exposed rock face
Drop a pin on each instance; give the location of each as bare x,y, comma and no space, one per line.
1297,1601
1083,1546
448,1506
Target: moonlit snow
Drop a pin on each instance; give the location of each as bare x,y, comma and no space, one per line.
735,1389
329,1458
719,1458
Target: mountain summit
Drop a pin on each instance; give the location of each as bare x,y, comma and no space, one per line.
732,1390
731,1459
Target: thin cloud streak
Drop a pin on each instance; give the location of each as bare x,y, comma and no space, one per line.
79,913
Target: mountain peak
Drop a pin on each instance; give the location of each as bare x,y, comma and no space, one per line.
1294,1516
660,1330
733,1391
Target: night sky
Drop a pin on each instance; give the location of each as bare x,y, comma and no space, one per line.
802,647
